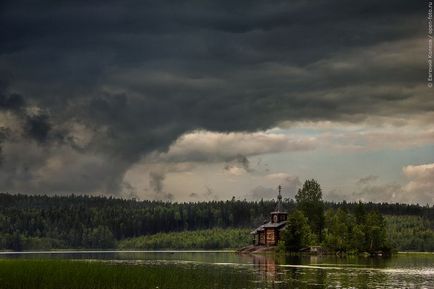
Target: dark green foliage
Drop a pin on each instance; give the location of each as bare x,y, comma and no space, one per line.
309,201
339,233
375,233
42,222
98,222
346,232
297,233
410,233
99,237
337,230
360,213
396,209
18,242
201,239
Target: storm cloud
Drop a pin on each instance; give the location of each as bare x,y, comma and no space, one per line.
87,89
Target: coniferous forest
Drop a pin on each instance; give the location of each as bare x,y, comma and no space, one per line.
43,222
338,231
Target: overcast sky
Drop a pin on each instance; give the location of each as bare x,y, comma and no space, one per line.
202,100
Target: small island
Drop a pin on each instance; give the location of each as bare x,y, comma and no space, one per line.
311,229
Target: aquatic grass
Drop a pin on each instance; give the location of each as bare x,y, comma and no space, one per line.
74,274
140,273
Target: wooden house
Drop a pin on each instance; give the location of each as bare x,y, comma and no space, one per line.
269,233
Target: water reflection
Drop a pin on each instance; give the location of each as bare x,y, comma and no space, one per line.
265,267
352,272
289,271
270,271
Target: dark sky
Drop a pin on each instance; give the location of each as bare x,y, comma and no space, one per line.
90,88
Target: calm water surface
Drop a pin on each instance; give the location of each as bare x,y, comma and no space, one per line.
259,271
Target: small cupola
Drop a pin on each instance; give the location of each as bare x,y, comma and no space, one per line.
279,215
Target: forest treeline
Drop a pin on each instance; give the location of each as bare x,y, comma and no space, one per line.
337,231
44,222
216,238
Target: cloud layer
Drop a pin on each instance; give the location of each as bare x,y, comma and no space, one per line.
209,146
90,89
420,182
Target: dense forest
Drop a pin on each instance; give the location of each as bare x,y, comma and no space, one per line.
43,222
338,231
407,233
190,240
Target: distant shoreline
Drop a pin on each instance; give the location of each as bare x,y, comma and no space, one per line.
414,252
75,251
36,223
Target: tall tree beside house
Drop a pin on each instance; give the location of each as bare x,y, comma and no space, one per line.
310,203
297,233
375,232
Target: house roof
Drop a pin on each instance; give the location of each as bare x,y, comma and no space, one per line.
274,225
268,225
258,229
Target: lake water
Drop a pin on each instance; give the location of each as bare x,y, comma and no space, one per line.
260,271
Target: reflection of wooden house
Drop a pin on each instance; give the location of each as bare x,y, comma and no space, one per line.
265,266
269,233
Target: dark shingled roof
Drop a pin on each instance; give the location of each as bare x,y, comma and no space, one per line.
268,225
